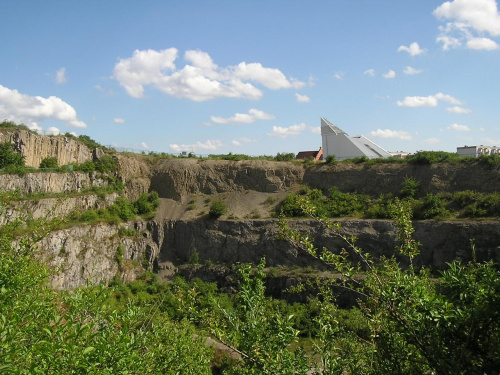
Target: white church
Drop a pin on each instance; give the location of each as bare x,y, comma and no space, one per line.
343,146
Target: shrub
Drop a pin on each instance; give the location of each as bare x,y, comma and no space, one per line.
49,162
284,156
106,164
9,156
218,208
147,203
331,159
409,188
431,207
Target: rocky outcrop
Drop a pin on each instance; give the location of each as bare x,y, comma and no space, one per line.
176,178
135,173
230,242
36,147
96,253
388,178
51,208
43,182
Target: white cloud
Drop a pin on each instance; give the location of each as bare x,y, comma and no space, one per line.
458,128
369,72
18,107
302,98
52,131
291,131
387,133
144,145
390,74
458,109
315,129
240,141
449,42
469,21
411,71
480,15
200,80
243,118
414,49
482,43
427,101
339,75
431,141
118,120
61,76
210,145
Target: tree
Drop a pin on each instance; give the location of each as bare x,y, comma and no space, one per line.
9,156
218,208
49,162
420,323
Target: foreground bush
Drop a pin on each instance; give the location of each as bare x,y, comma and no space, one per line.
43,331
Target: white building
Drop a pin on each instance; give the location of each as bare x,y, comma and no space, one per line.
338,143
476,151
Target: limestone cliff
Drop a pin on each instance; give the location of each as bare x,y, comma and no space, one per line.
96,253
44,182
36,147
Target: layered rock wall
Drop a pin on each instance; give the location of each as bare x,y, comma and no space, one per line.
36,147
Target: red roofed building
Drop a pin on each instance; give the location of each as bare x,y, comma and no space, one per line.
315,155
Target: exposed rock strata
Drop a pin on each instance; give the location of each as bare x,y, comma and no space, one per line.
88,253
36,147
43,182
54,207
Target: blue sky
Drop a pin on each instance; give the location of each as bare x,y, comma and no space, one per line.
254,77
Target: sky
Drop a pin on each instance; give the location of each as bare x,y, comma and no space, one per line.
253,77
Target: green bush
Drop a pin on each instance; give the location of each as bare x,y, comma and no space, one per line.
147,203
49,162
284,156
409,188
431,207
429,157
105,164
331,159
217,208
9,156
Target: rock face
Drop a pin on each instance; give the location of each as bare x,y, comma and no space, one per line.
36,147
50,208
42,182
230,242
176,178
91,253
388,178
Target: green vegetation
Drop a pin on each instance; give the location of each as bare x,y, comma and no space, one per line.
44,331
417,324
49,162
10,125
462,204
217,208
10,159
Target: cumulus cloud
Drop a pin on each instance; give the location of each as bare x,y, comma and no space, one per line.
431,141
457,109
210,145
339,75
18,107
291,131
241,141
201,79
458,128
61,76
427,101
243,118
369,72
482,43
469,20
52,131
118,120
413,49
315,129
302,98
387,133
390,74
411,71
